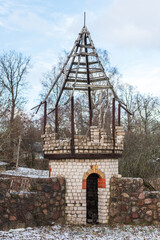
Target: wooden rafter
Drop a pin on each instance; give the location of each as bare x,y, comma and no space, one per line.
85,71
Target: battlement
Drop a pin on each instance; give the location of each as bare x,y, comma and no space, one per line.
96,143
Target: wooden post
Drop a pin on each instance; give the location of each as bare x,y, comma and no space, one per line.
56,119
19,143
129,125
72,125
88,82
113,122
45,115
119,114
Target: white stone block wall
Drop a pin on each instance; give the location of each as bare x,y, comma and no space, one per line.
73,170
98,142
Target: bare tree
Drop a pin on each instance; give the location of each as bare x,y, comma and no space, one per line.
140,156
147,108
13,69
141,151
128,94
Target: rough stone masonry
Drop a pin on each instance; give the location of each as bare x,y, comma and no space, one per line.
130,203
31,202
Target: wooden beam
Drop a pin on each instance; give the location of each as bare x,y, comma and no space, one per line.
84,72
113,122
86,46
78,80
45,116
76,89
79,89
92,86
37,106
88,81
79,77
56,119
81,68
52,111
83,31
84,156
85,79
119,115
98,79
126,109
72,125
96,71
81,63
83,54
90,63
84,63
78,72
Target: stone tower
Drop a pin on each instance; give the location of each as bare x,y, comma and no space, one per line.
87,162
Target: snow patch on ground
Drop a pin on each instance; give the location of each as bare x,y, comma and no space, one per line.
97,232
3,163
27,172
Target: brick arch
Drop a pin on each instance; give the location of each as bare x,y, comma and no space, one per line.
101,179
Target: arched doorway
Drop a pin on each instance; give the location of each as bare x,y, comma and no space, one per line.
92,198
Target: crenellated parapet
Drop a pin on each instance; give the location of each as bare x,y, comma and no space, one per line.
96,143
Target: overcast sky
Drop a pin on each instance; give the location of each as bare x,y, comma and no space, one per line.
128,29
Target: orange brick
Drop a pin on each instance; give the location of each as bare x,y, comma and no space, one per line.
102,175
87,173
101,183
85,176
103,180
84,184
50,169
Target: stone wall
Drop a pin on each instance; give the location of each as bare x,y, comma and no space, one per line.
34,203
129,203
76,172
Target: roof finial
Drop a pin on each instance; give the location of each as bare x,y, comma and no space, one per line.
84,19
